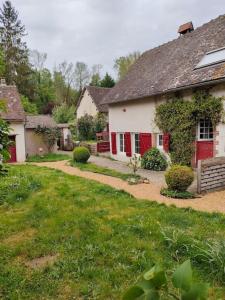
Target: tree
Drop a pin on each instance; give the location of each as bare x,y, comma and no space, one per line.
37,59
107,81
85,127
2,64
82,75
99,122
30,108
96,78
17,68
64,113
123,63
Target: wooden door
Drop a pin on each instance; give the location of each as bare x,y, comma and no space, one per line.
12,149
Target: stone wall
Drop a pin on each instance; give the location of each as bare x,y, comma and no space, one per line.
211,174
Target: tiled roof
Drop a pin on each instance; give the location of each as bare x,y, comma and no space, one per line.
97,94
172,65
39,120
14,108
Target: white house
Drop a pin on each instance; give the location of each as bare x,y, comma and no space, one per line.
195,60
90,101
16,117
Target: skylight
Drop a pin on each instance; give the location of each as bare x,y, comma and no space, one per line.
212,58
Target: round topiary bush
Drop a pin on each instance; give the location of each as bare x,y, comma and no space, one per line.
179,178
81,154
153,159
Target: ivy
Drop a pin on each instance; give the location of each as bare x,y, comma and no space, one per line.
180,118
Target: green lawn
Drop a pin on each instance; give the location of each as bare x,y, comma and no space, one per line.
48,157
91,167
98,240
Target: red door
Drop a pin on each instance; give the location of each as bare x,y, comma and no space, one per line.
12,149
204,150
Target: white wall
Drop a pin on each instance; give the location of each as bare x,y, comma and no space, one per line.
87,106
17,129
138,116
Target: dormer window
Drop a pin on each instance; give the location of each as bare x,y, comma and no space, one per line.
212,58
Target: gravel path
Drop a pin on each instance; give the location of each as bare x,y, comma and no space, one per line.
212,202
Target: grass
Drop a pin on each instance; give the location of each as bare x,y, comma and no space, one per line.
176,194
48,157
91,167
97,240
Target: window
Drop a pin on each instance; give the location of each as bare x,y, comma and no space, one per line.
160,140
122,142
212,57
205,130
137,143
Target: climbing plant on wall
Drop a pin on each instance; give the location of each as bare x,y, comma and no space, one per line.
180,118
49,135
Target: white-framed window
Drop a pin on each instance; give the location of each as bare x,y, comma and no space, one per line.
121,142
205,130
136,143
212,58
160,140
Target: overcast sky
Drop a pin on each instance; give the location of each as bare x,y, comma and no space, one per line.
98,31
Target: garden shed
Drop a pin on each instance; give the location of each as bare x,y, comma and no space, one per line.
35,142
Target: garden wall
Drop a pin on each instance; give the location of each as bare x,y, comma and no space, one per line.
211,174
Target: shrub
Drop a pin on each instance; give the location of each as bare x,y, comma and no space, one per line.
81,154
85,126
179,178
153,159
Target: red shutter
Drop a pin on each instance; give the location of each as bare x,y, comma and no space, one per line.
145,142
166,142
127,137
113,143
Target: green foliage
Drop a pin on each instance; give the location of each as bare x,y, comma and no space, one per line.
180,118
85,127
48,157
49,135
4,140
123,63
16,65
135,163
208,255
91,167
104,240
154,285
16,187
81,154
179,178
29,107
64,113
2,63
154,160
176,194
107,81
99,122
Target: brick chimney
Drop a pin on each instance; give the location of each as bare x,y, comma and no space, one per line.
185,28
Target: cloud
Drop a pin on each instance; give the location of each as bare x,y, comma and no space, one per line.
98,31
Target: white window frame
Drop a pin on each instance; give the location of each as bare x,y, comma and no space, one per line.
205,63
119,134
134,144
204,132
158,141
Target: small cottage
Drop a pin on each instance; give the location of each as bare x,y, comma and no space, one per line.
15,116
193,61
90,101
35,143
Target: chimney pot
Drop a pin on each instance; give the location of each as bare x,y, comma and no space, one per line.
185,28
